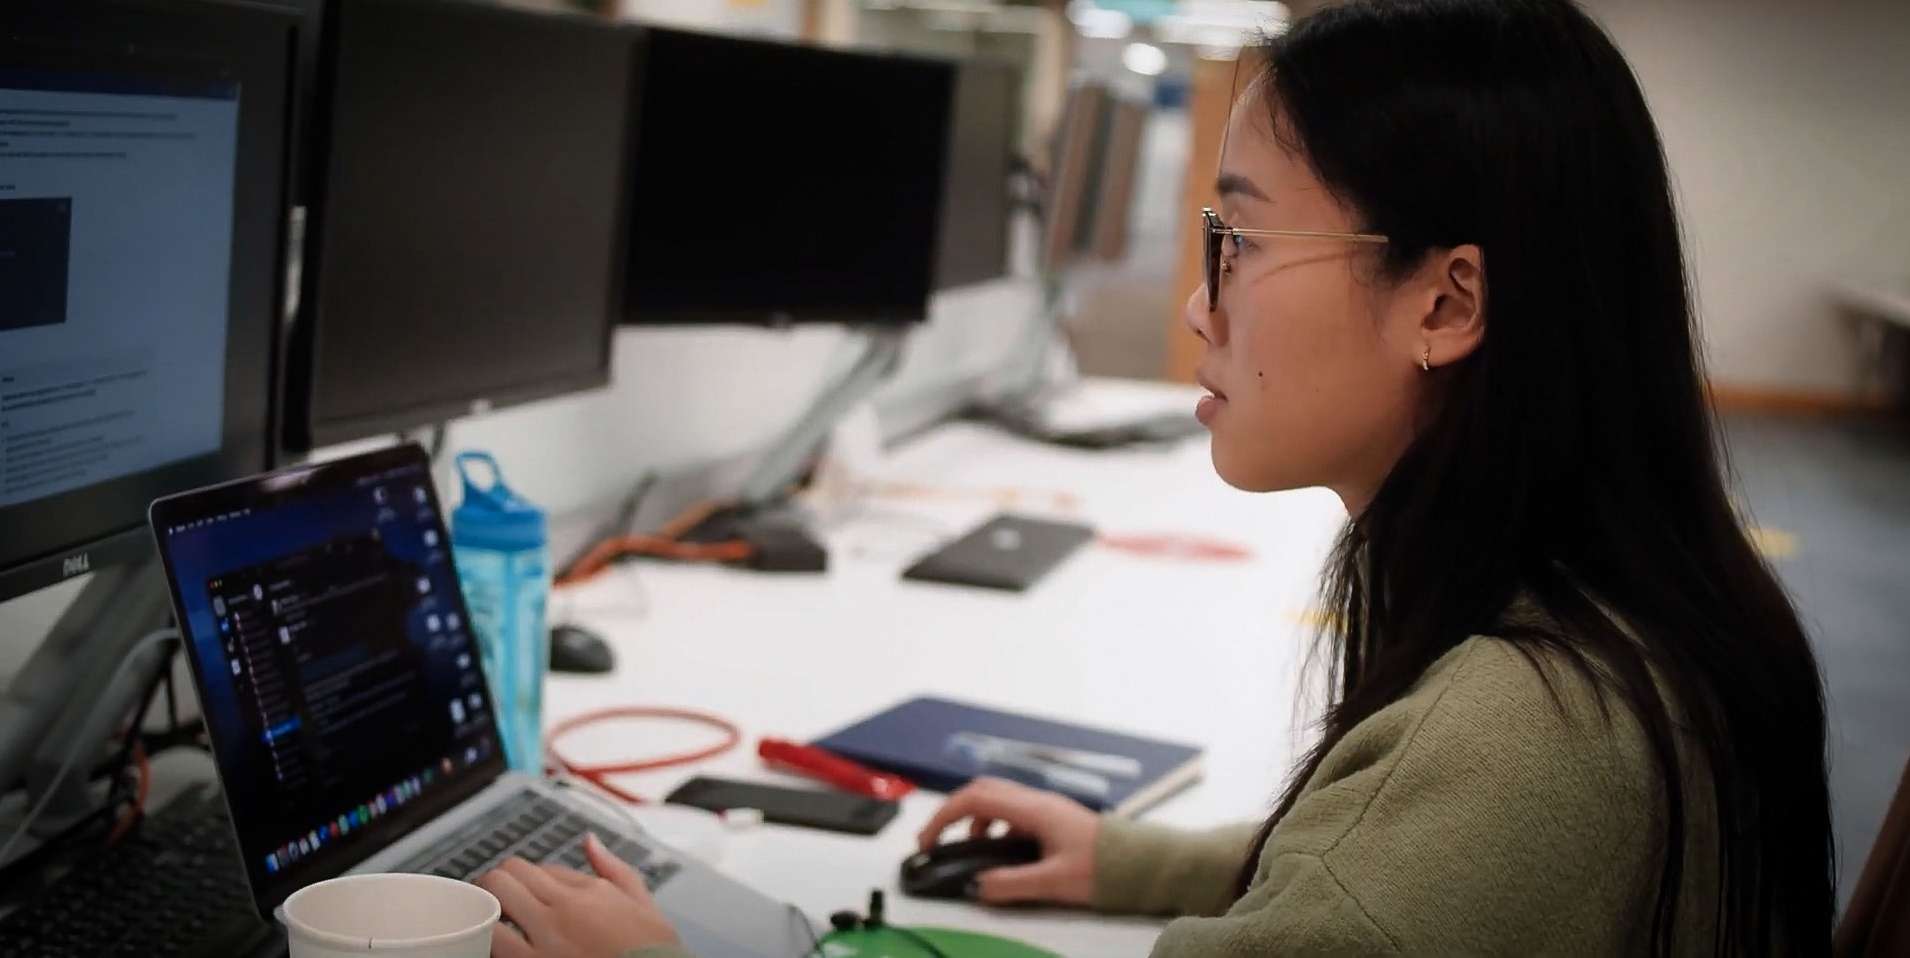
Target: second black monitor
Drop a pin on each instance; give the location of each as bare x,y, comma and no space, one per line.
977,203
464,246
777,184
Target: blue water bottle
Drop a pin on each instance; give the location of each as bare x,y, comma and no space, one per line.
501,546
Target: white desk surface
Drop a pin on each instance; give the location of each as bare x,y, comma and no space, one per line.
1202,652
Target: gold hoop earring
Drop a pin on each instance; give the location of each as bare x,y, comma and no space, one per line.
1425,361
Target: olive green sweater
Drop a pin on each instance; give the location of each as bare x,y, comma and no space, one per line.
1476,816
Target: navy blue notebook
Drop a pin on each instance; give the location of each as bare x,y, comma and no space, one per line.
941,745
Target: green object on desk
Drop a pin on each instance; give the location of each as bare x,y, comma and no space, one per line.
889,943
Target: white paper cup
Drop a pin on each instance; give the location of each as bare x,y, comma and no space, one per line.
414,916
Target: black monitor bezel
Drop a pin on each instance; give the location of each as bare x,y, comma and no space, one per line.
62,536
306,427
637,314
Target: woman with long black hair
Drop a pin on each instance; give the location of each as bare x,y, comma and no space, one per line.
1572,710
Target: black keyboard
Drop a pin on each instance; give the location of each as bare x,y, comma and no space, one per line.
174,887
534,828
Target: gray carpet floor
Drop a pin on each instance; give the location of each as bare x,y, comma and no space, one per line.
1833,497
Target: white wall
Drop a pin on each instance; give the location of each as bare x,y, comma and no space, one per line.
773,18
1787,124
690,395
681,396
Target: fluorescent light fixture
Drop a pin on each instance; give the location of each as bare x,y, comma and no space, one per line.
1145,59
1092,21
1215,24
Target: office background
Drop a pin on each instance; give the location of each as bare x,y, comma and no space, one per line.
1786,130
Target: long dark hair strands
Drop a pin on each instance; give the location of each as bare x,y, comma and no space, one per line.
1571,458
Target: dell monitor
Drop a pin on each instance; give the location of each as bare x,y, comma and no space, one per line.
463,245
777,184
976,196
143,148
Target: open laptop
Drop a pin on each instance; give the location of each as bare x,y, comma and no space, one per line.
348,708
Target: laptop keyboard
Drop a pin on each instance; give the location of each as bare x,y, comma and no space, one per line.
534,828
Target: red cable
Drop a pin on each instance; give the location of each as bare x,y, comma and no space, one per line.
1176,546
138,809
599,775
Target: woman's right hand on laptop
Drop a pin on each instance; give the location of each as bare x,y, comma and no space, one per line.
1066,829
561,913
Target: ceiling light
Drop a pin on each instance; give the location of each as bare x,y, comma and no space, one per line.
1097,23
1145,59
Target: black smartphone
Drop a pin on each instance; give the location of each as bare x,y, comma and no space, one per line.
807,807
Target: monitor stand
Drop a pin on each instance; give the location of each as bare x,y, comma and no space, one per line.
1052,417
66,697
761,515
1033,402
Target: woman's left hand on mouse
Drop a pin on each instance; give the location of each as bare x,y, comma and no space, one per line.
562,913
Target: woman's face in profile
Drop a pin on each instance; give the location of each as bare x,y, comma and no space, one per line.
1309,357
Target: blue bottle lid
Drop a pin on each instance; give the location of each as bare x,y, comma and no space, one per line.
491,515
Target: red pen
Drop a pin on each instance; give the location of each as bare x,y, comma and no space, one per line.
818,764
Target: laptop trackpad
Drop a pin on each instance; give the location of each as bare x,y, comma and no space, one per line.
718,917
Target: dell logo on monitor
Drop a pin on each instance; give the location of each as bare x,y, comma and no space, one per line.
74,565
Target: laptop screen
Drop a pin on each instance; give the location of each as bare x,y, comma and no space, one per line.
334,658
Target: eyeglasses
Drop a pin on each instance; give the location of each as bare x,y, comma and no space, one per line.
1214,230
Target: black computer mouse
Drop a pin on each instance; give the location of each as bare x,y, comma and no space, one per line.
574,648
948,871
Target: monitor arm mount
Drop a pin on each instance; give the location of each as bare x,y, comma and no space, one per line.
64,697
